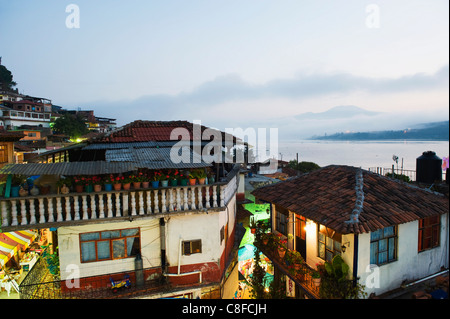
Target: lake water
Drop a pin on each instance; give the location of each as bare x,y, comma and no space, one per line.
365,154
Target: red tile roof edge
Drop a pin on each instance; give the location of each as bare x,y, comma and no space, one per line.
378,210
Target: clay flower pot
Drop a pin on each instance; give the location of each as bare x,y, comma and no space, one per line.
126,186
136,185
281,252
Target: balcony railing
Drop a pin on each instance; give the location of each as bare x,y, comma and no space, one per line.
92,288
301,276
46,210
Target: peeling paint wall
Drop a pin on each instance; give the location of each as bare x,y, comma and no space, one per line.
410,264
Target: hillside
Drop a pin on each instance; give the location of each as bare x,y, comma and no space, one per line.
438,131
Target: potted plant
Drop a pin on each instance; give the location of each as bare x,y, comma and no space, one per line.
137,180
334,283
79,182
183,179
193,177
174,174
97,183
145,180
211,177
201,175
89,184
117,182
126,182
155,178
265,238
108,181
16,182
296,259
316,278
252,226
282,248
165,177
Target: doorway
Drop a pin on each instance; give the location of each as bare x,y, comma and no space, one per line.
300,235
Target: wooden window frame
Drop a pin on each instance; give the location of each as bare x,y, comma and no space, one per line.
3,154
110,240
387,238
281,223
433,228
190,244
331,235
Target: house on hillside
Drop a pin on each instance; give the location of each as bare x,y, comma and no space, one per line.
387,232
27,111
7,141
170,240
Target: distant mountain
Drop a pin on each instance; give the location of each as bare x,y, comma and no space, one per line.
436,131
338,112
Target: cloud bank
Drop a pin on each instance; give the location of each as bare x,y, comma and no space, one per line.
229,100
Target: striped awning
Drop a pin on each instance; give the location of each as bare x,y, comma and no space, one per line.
12,241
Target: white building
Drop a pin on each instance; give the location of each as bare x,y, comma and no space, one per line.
171,241
388,232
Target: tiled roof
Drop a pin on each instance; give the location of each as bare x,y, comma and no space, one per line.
6,136
329,196
142,131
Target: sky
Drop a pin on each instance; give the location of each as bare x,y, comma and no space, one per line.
253,63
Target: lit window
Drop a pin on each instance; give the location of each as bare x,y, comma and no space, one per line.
329,243
192,247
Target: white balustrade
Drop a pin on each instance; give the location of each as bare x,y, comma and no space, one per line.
91,206
23,212
149,201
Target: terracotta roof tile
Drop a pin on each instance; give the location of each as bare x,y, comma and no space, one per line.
141,131
328,196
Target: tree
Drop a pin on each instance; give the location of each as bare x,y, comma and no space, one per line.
71,125
6,78
257,282
303,167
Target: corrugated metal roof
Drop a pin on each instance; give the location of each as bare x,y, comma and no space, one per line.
117,161
155,158
112,146
68,168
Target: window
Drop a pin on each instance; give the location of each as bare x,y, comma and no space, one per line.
383,243
192,247
222,234
281,218
110,244
429,232
3,154
329,243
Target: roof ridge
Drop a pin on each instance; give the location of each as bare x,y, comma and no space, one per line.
403,183
359,203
